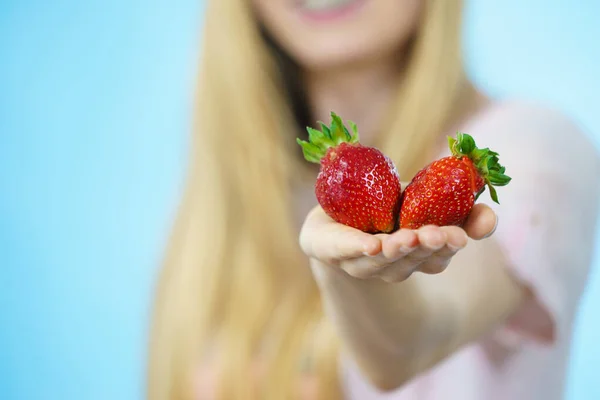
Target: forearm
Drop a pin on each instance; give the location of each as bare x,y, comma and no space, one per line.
385,327
483,289
394,331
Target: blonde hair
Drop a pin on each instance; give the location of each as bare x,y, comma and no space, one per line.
234,278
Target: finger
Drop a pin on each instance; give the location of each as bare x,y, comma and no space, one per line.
399,244
456,239
397,272
431,239
394,248
328,241
364,267
369,265
434,265
481,223
336,243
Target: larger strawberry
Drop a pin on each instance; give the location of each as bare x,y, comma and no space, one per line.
444,192
357,185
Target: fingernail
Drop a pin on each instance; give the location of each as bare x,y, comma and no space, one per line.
406,249
493,230
371,249
454,248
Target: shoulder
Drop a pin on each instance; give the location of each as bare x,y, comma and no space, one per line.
527,120
548,211
533,134
516,112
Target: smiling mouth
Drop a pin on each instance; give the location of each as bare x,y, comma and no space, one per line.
325,5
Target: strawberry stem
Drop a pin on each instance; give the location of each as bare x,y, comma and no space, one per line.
485,160
329,136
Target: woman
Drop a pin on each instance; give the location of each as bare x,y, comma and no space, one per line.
240,314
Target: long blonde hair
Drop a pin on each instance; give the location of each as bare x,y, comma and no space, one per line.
234,278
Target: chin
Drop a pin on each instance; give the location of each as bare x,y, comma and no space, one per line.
332,54
330,33
330,61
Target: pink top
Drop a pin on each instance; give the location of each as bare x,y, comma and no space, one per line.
547,215
546,227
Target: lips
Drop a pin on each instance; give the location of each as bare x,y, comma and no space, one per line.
324,5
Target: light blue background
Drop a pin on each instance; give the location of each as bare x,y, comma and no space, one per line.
94,109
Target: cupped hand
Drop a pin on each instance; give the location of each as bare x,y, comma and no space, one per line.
390,257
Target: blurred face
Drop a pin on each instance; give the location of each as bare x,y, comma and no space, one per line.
320,34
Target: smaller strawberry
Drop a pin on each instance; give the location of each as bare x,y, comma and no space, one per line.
357,186
444,192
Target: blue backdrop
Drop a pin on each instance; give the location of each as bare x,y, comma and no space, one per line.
94,109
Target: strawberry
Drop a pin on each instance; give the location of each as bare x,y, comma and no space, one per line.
357,185
444,192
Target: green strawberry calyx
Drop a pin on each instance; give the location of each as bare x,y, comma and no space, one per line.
485,160
329,136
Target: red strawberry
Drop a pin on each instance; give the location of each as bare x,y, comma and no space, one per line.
443,193
358,185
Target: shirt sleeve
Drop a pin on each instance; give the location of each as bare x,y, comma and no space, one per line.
547,216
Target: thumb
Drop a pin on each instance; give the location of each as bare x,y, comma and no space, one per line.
481,223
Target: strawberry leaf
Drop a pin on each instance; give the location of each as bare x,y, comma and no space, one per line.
325,130
354,136
493,193
466,143
316,138
486,162
329,136
312,153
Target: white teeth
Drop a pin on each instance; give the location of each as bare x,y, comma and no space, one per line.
322,5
